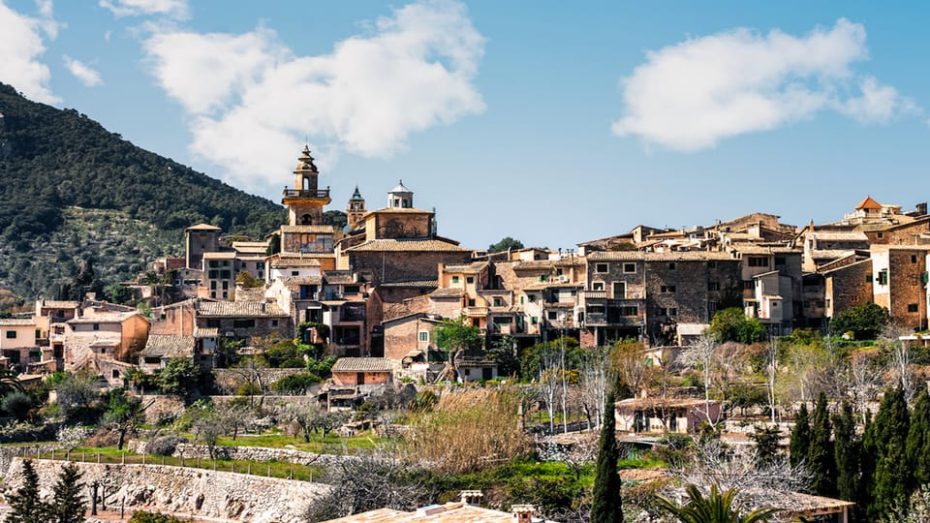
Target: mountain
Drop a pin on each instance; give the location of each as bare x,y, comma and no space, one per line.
71,190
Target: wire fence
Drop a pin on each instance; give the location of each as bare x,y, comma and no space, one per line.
271,469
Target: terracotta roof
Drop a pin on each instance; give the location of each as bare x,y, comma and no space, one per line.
399,210
456,512
406,245
840,235
660,256
104,317
363,365
447,292
206,332
417,283
870,204
294,261
648,403
238,309
17,322
168,346
221,255
312,229
203,227
339,277
469,268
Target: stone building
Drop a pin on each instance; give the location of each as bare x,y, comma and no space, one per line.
18,344
101,333
847,285
899,282
242,320
198,240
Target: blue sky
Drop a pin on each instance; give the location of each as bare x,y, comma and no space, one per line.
553,122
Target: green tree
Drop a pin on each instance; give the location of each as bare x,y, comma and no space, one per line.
733,325
179,376
717,507
800,443
766,439
123,413
918,440
17,405
26,506
606,504
67,502
821,460
846,452
455,337
507,243
865,321
891,478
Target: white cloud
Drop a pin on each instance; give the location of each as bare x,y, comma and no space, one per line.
21,49
83,72
691,95
173,8
251,100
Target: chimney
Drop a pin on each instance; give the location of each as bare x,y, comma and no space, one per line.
523,513
471,497
921,209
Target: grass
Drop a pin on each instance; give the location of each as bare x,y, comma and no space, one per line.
331,444
111,455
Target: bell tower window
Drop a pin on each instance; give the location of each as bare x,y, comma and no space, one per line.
306,219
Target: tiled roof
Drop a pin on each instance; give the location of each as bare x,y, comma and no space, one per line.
447,293
312,229
471,268
104,317
399,210
406,245
840,235
239,309
414,284
206,332
869,203
455,512
17,322
363,365
221,255
830,254
660,256
168,346
294,262
337,277
203,227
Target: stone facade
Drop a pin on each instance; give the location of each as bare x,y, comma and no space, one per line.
847,286
898,283
397,266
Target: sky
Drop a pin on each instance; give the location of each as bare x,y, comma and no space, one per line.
549,121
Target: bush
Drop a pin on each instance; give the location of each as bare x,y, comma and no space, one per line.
155,517
163,445
17,405
249,389
865,321
296,383
180,376
733,325
102,438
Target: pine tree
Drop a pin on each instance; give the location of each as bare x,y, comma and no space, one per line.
820,456
68,505
918,441
846,451
766,439
606,505
25,505
800,437
891,478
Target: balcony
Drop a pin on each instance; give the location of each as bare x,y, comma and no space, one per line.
303,193
594,295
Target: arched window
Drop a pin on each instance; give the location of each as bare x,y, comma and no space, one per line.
306,186
306,220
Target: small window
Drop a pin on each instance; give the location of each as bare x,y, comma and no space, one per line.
471,302
868,278
424,336
672,266
629,267
96,327
913,258
455,279
758,261
673,311
667,289
534,320
597,286
883,277
713,286
881,235
521,300
629,311
553,315
470,279
274,323
11,335
295,273
601,268
748,285
913,307
225,295
213,285
498,302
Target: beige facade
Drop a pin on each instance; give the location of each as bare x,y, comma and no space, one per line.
899,283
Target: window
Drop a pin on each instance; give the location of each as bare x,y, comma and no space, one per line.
619,290
455,279
521,300
534,320
532,297
543,277
212,274
243,324
96,327
881,235
350,289
225,285
913,307
470,279
213,324
552,315
868,278
712,264
471,302
779,261
673,311
629,267
11,335
225,295
213,285
224,275
713,286
629,311
668,312
748,285
274,323
213,264
597,286
913,258
423,336
601,268
672,266
758,261
498,302
667,289
883,277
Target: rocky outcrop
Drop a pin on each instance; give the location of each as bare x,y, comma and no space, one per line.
196,492
262,454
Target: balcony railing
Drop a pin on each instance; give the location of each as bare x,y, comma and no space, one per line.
302,193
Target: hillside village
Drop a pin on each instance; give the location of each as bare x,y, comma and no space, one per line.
727,332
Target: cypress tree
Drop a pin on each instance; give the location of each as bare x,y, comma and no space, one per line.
867,459
766,439
606,505
820,455
68,505
918,441
800,437
891,479
25,504
846,451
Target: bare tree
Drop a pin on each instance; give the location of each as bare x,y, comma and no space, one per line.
550,381
865,382
593,382
771,364
899,352
701,355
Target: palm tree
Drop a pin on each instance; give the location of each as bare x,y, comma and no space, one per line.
717,507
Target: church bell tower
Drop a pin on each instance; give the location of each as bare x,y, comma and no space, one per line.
306,200
355,211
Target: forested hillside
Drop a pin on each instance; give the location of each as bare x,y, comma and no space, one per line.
53,160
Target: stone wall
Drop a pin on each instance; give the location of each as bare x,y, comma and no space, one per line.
228,381
9,453
394,266
261,454
199,493
847,287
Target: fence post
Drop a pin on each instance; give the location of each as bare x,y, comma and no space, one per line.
98,457
214,465
143,458
269,470
123,460
249,468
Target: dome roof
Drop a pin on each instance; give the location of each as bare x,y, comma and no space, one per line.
400,188
306,161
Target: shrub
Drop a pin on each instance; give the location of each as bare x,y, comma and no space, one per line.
102,438
17,405
249,389
424,401
296,383
163,445
733,325
865,321
155,517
